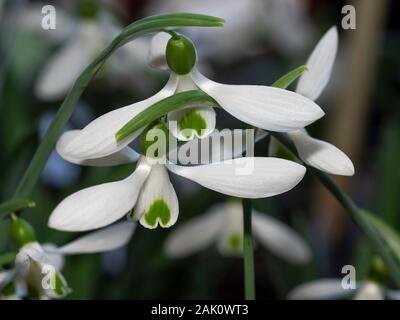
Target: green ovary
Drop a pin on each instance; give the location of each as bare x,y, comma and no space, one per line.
235,242
159,210
194,121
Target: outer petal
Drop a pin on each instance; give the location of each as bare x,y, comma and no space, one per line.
370,290
261,106
63,69
97,139
158,46
245,177
187,123
320,290
321,155
125,155
196,234
100,205
280,239
320,66
106,239
157,203
55,258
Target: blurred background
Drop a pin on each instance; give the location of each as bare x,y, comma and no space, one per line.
262,40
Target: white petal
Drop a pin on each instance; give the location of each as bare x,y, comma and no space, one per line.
158,46
100,205
245,177
320,65
157,203
196,234
262,106
106,239
62,70
280,239
55,258
204,117
97,139
35,252
125,155
370,290
220,145
320,290
321,155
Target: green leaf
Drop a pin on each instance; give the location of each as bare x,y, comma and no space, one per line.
284,81
7,258
391,237
15,205
160,108
134,30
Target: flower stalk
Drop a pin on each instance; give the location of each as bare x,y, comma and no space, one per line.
354,211
248,254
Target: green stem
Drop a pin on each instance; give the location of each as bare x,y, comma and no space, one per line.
352,209
249,284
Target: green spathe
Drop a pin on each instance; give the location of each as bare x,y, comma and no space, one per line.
158,211
192,120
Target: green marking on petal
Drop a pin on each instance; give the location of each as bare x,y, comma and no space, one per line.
192,120
235,241
59,286
158,211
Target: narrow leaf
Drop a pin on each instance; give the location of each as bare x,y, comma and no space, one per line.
391,237
134,30
285,81
15,205
154,112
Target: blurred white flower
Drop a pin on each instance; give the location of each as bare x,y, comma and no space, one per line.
34,262
223,224
87,39
150,195
331,288
282,22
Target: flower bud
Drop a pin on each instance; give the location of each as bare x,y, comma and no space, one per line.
377,271
181,54
22,232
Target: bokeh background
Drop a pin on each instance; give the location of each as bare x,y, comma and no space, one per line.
262,40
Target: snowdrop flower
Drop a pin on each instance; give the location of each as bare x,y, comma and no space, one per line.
37,266
373,288
260,106
223,224
317,153
149,192
331,288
